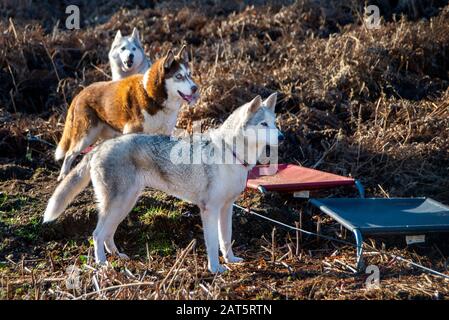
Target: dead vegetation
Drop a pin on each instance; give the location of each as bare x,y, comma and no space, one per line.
373,104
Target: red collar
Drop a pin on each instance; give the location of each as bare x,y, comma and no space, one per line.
243,163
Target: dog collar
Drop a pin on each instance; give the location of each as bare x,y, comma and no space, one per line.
243,163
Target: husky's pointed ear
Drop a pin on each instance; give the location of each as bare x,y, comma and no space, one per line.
135,35
183,54
168,60
117,38
254,104
270,102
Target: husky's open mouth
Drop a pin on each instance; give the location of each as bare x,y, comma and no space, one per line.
129,63
191,99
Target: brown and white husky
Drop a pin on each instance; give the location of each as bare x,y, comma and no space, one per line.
147,103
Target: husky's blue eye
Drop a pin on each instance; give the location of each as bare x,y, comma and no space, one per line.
179,76
134,49
264,124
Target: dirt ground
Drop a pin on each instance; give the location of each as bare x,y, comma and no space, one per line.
367,103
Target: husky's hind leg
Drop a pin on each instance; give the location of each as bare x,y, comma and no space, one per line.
110,226
78,145
114,210
98,237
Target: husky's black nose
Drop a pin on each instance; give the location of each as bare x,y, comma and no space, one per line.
281,137
131,56
194,89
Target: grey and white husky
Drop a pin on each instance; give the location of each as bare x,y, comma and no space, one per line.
120,168
127,56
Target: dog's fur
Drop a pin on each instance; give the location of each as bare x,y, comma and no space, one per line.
120,168
127,57
146,103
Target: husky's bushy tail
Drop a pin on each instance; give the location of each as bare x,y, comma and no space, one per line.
75,182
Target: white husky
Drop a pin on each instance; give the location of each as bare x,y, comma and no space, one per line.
120,168
127,56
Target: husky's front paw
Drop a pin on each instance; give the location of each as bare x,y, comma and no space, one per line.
103,263
122,256
234,260
217,268
61,177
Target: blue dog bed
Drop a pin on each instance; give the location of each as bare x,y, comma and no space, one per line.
368,216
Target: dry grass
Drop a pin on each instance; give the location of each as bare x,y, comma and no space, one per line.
373,104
